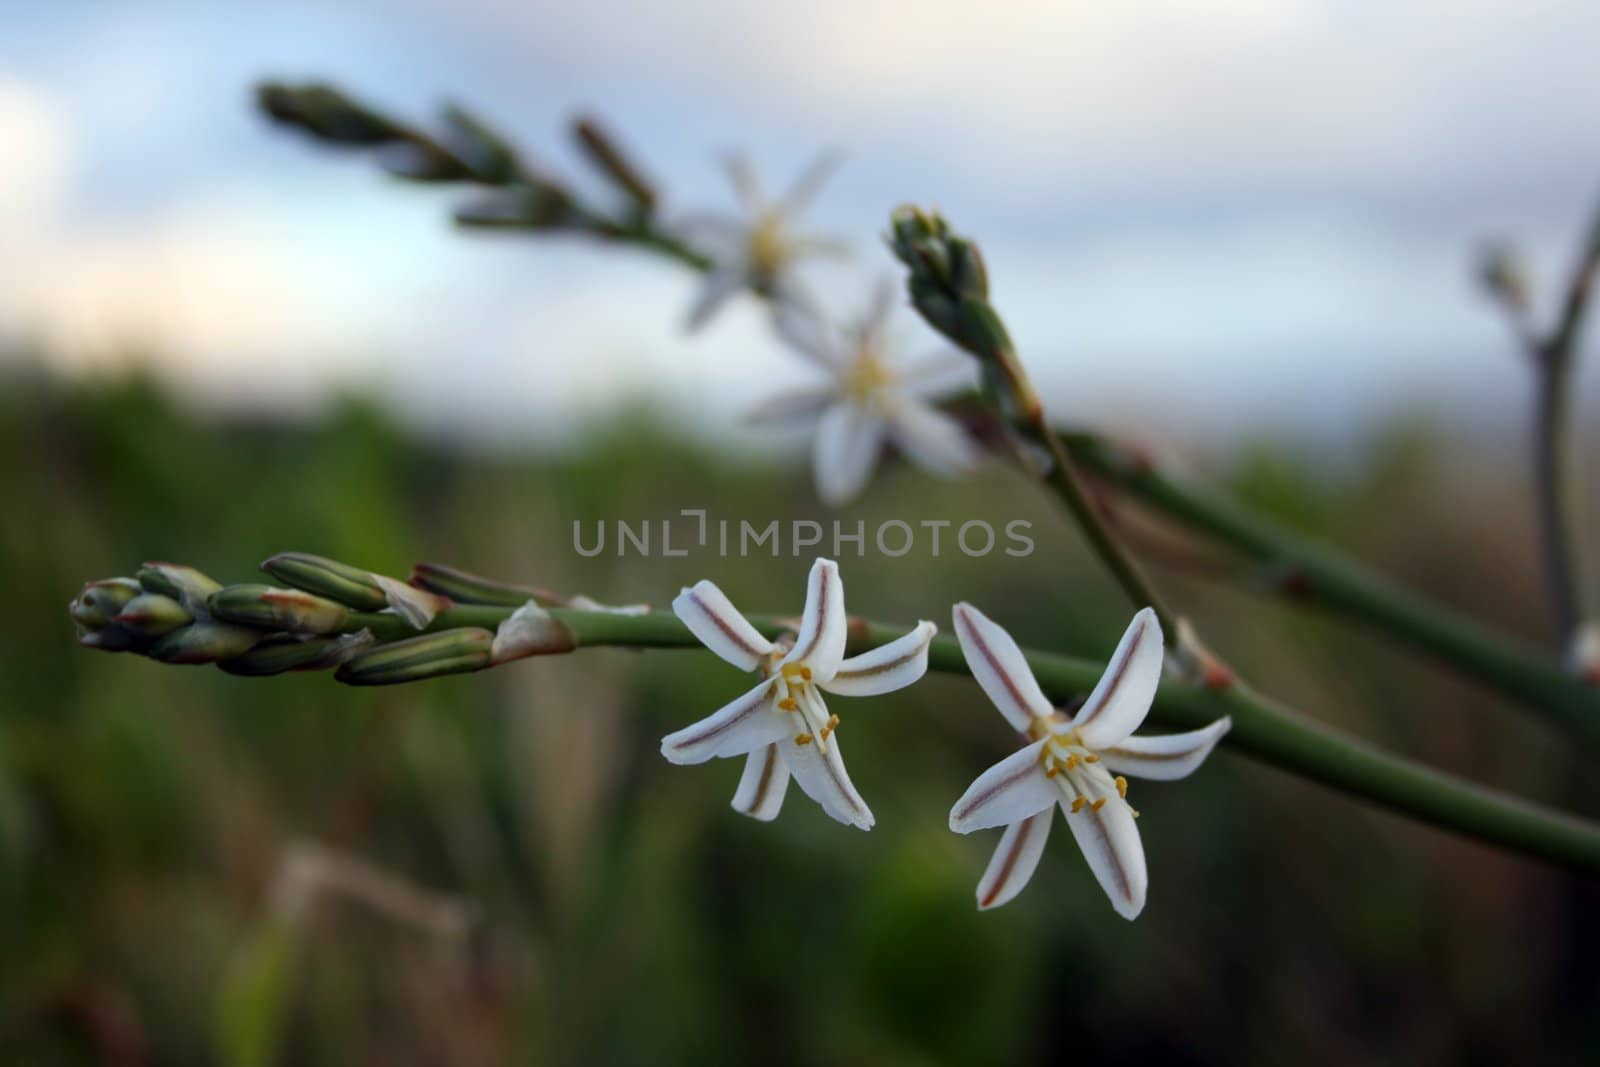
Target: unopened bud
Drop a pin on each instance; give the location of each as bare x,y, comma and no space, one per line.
420,161
465,587
287,652
326,112
480,148
350,586
267,608
186,585
97,603
602,150
417,658
153,614
1504,276
204,642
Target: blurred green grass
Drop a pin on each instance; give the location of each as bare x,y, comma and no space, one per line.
625,914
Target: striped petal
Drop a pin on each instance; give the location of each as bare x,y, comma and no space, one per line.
763,784
742,725
849,438
887,667
1008,792
1165,758
822,775
1121,700
1015,859
823,626
997,664
711,617
1110,842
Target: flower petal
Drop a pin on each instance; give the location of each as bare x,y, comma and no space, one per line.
763,784
794,404
742,725
823,626
875,326
1012,789
1015,859
935,374
822,775
1110,842
711,616
803,327
746,185
849,438
1167,757
932,439
999,667
1122,698
804,188
887,667
722,282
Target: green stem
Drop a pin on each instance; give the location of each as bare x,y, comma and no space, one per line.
1262,729
1341,584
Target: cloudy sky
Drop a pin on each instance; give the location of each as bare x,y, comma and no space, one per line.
1256,212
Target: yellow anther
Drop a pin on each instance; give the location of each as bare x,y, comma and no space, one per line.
1098,804
805,672
1077,804
788,704
1051,770
833,724
1091,758
1072,761
1122,787
803,739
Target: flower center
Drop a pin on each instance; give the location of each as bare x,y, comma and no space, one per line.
869,373
1076,769
796,694
768,247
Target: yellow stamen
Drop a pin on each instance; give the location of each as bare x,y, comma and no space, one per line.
1091,758
1050,769
1122,787
803,739
788,704
805,672
1072,761
1077,804
1098,804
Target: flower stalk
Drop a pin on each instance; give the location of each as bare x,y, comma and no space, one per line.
1262,729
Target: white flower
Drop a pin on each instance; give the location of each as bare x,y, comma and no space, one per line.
782,725
758,250
1076,763
871,398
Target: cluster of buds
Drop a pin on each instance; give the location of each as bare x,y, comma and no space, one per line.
371,629
949,286
468,151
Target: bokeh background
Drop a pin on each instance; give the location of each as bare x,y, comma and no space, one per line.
1244,232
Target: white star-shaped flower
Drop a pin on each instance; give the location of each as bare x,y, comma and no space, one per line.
872,398
757,251
782,725
1075,763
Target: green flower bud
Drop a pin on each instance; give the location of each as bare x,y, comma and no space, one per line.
350,586
268,608
467,588
416,658
602,150
151,615
99,602
204,642
287,652
184,584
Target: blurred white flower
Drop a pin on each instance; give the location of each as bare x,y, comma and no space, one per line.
872,398
1075,763
782,725
756,251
